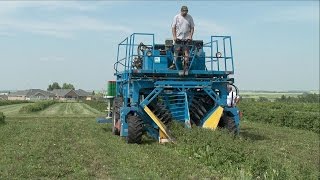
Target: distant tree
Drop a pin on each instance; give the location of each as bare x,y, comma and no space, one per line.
263,99
67,86
304,98
54,85
283,98
248,99
309,98
93,93
98,96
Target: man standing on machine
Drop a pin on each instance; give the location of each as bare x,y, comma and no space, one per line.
182,31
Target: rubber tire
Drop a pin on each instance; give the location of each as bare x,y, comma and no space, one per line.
135,129
228,123
116,115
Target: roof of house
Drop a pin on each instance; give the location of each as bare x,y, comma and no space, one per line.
19,93
34,92
3,96
83,93
61,92
31,92
55,92
4,92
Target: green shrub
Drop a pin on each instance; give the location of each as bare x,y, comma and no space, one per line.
7,102
226,154
99,105
304,98
38,106
2,118
295,115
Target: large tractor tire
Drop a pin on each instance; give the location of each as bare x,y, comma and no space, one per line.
228,123
117,103
135,129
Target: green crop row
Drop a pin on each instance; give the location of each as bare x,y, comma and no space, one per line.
99,105
233,156
38,106
295,115
2,118
6,102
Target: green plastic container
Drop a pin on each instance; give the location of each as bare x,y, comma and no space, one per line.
111,89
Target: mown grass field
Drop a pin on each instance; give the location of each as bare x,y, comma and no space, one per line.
64,141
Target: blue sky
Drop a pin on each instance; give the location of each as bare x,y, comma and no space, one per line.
275,44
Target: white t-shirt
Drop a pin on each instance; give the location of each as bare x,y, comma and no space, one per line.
183,26
232,96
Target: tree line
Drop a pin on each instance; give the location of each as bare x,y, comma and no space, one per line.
303,98
56,85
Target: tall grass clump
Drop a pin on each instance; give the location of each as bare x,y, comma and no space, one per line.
2,118
294,115
7,102
98,105
231,156
38,106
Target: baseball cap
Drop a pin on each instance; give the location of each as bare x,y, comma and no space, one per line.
184,8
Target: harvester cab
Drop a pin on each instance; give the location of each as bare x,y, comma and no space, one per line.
149,95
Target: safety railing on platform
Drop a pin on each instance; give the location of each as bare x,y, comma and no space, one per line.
126,50
218,53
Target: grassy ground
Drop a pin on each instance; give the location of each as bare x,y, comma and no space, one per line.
12,110
64,141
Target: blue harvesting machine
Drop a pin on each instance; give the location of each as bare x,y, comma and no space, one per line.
150,95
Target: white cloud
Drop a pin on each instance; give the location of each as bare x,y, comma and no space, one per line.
293,14
63,26
13,6
6,34
208,28
9,7
52,59
92,24
37,27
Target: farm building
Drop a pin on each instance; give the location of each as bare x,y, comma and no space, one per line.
70,94
65,94
3,97
18,95
31,94
84,95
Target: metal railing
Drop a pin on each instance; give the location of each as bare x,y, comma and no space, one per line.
218,53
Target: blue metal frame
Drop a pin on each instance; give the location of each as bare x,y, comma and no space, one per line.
213,45
140,86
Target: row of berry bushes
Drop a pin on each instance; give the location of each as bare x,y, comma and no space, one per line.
295,115
99,105
6,102
38,106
